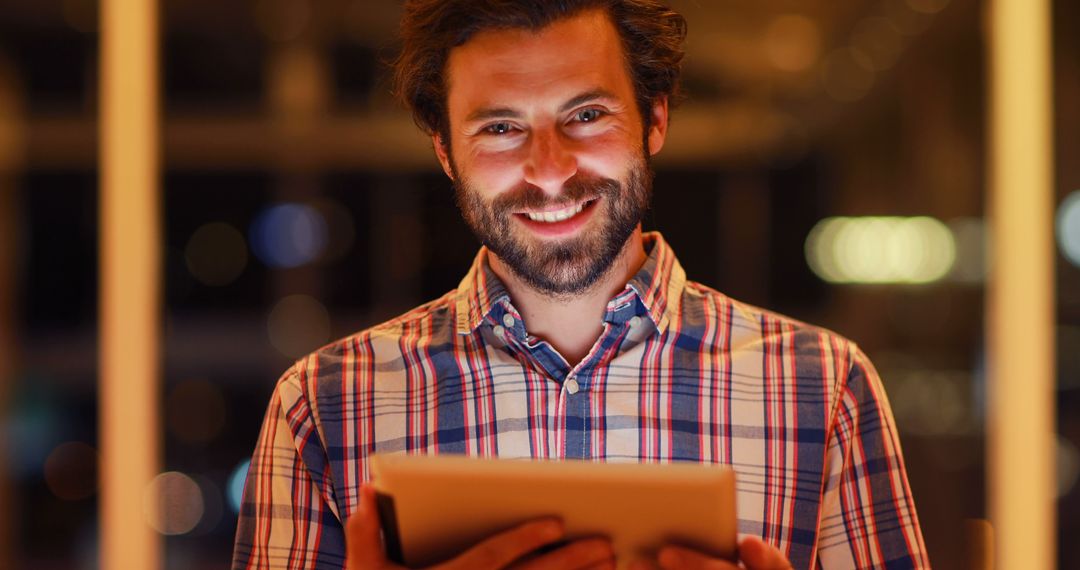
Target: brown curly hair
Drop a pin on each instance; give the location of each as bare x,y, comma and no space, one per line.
652,35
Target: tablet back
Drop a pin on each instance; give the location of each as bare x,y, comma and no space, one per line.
435,507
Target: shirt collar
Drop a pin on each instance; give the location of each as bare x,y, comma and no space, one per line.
660,282
658,285
478,293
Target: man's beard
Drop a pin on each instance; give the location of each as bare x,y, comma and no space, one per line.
569,267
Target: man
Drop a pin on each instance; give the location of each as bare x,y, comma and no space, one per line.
574,335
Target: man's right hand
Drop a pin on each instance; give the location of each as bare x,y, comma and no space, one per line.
504,550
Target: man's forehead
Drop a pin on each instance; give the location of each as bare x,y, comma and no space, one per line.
579,54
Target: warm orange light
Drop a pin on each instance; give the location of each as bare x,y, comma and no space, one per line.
1020,295
130,275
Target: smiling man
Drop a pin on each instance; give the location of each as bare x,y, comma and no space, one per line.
574,335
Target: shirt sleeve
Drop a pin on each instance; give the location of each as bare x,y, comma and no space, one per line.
868,514
289,517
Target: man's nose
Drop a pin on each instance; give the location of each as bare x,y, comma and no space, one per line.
551,162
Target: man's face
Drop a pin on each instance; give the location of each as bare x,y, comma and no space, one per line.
546,148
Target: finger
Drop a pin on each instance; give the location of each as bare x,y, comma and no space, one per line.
363,544
680,558
756,554
504,548
584,553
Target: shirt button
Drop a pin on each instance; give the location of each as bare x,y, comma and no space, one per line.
635,321
508,320
571,385
498,330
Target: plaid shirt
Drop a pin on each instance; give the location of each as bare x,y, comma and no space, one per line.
679,373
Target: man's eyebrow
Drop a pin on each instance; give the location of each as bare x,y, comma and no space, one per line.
492,113
509,113
586,97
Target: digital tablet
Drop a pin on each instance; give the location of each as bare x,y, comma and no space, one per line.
435,507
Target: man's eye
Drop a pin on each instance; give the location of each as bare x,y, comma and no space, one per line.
589,115
499,128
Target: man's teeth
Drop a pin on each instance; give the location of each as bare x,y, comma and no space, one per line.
556,216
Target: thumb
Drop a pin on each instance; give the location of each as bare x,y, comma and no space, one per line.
756,554
363,542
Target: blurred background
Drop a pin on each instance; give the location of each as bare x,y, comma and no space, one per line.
829,164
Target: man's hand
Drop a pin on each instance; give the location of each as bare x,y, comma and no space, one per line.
365,548
753,553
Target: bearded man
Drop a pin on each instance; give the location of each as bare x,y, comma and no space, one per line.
575,335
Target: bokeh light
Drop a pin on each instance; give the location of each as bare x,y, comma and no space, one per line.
298,324
195,411
908,20
216,254
297,85
880,249
793,42
847,75
173,503
878,41
1068,227
71,471
288,235
235,490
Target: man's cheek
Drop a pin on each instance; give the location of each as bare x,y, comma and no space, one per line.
497,170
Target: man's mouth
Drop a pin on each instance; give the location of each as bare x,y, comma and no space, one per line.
554,216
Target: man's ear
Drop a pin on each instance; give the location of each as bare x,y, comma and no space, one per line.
442,152
658,123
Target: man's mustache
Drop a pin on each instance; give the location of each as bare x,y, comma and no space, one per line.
579,188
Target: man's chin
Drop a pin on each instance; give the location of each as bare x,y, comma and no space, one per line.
562,276
558,288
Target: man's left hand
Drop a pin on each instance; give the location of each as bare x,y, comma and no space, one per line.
754,554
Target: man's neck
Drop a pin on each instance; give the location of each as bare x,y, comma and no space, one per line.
572,325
